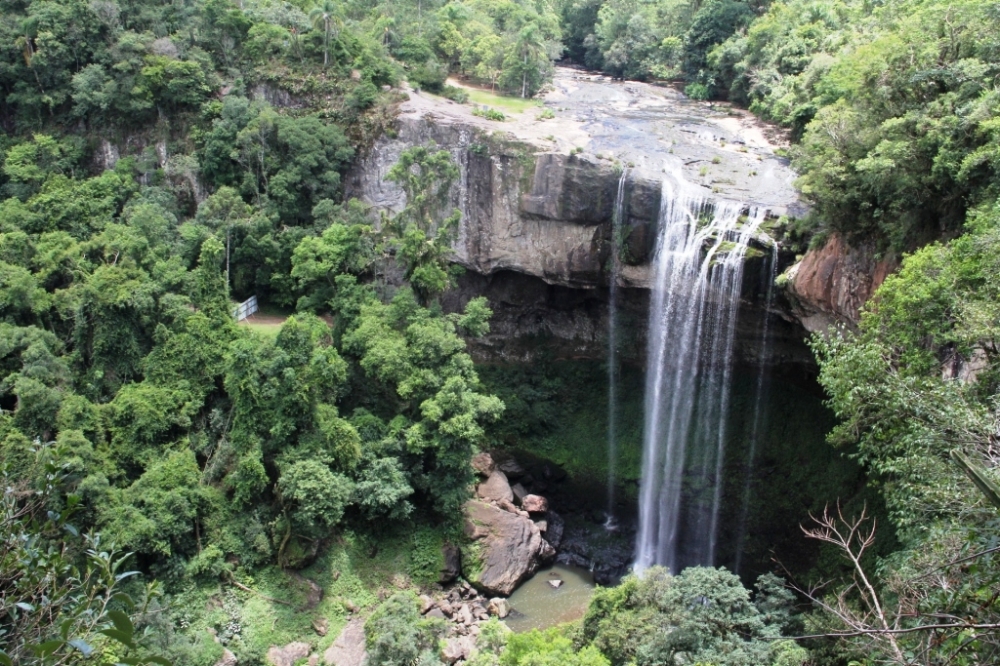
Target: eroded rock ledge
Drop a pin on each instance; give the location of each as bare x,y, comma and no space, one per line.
829,286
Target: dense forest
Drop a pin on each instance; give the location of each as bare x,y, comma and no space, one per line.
165,468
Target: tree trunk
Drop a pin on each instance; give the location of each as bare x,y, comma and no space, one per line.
326,44
524,77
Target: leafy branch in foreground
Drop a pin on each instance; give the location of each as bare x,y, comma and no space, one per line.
926,613
62,593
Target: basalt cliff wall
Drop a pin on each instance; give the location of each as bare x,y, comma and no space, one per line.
536,239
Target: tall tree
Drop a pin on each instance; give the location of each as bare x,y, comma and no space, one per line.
530,48
326,17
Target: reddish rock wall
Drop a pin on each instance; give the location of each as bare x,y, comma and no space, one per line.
831,285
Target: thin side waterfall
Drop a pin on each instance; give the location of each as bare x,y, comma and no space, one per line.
692,323
760,396
616,237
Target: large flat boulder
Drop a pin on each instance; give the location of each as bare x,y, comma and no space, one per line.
496,488
289,655
505,548
349,648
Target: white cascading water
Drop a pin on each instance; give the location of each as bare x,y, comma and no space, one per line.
758,422
616,239
698,275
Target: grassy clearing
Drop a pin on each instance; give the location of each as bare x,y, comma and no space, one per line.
266,328
267,321
505,104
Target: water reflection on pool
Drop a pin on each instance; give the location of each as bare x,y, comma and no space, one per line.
537,605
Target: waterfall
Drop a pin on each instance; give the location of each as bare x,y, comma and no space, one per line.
760,399
616,242
692,322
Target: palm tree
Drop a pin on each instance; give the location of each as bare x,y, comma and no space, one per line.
387,25
530,46
29,31
326,17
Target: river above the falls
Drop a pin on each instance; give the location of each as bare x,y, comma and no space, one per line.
537,604
654,129
650,129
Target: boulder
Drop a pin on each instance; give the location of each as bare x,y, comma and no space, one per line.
504,552
288,655
426,603
499,606
483,464
228,658
535,504
542,526
349,648
436,613
452,567
458,648
547,552
556,584
511,468
321,626
519,492
495,488
508,506
464,615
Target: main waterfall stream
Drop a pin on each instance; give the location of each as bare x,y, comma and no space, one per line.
692,322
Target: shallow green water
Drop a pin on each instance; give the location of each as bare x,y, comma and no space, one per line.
537,605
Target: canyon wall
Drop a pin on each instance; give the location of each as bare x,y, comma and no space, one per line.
536,232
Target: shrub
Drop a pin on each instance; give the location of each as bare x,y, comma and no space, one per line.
455,94
489,114
697,91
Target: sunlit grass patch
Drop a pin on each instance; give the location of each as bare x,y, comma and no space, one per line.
507,104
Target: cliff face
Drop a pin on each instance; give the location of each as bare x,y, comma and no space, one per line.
524,209
830,285
536,225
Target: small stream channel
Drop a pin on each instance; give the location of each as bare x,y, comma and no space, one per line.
537,604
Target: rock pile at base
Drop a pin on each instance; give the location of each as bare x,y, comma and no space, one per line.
508,529
464,608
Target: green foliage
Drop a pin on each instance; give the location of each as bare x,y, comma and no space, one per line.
397,635
417,355
210,451
489,114
937,309
63,596
711,25
548,648
314,496
424,230
346,246
427,560
702,615
913,388
154,514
